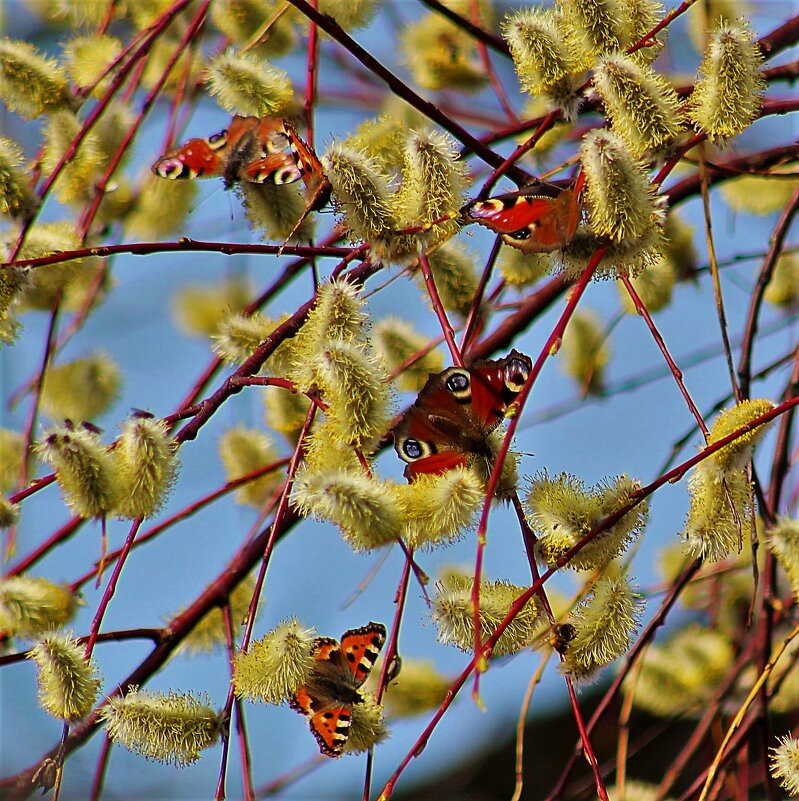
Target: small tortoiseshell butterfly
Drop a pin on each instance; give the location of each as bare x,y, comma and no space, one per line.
333,687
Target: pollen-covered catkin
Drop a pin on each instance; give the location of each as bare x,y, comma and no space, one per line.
172,728
274,667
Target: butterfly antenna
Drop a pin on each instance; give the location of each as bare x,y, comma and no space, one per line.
294,230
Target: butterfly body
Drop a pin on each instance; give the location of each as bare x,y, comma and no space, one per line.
539,219
333,687
450,423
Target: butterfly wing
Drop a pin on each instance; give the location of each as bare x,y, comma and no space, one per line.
279,168
339,669
197,158
360,649
456,410
317,185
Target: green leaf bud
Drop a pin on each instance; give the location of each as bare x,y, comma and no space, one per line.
68,683
172,728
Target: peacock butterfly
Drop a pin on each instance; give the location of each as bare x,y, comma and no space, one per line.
251,150
450,422
537,219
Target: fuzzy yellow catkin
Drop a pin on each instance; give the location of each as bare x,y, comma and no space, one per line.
85,470
620,199
273,210
396,341
785,764
31,605
367,727
244,450
241,20
682,674
9,513
210,632
172,728
606,623
453,615
718,517
161,208
736,454
366,513
641,104
728,96
418,688
48,283
16,196
87,57
782,540
355,386
585,351
594,26
783,288
68,684
362,192
147,460
274,667
636,791
437,508
30,83
523,269
246,83
12,447
76,181
561,511
433,184
439,56
238,335
201,310
539,49
82,389
454,271
349,14
285,412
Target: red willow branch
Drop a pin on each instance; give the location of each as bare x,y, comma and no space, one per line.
401,89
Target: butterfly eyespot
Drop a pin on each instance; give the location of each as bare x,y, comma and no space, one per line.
172,168
523,233
413,449
459,384
516,373
287,175
218,140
